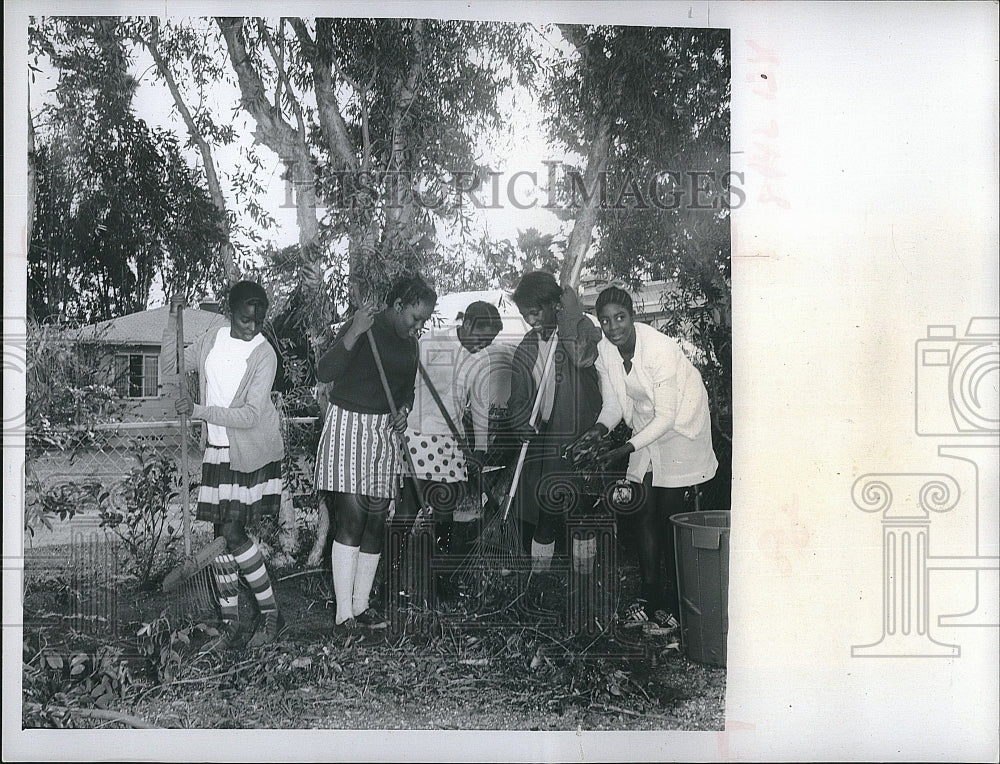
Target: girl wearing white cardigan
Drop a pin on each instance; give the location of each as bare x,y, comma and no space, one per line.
660,395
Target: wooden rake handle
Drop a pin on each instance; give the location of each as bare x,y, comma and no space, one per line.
178,303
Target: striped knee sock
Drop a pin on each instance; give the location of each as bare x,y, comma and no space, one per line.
227,580
344,560
251,563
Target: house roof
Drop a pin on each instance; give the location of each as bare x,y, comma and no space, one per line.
647,300
147,326
450,305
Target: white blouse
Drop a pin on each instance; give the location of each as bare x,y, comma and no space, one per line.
462,381
664,400
225,366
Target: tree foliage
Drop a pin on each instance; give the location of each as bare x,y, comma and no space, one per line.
660,97
117,207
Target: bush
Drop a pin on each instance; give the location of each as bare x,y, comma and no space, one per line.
140,518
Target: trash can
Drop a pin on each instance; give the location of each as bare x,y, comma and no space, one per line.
701,541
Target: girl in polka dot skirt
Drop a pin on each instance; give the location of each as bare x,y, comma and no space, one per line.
457,379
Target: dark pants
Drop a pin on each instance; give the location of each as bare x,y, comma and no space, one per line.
654,539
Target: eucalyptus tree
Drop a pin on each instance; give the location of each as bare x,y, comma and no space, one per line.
648,110
116,205
379,123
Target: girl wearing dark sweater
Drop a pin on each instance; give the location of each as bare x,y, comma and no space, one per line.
357,459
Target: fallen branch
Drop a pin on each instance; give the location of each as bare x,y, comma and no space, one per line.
308,572
209,678
617,710
474,662
112,716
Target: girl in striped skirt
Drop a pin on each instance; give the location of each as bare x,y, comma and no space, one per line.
357,460
241,468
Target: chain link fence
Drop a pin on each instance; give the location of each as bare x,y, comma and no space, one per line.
76,471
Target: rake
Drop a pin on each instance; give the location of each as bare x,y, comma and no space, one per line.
498,548
190,582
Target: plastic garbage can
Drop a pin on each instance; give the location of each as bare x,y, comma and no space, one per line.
701,541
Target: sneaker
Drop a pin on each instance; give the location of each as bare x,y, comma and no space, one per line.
635,615
370,619
229,637
345,627
273,624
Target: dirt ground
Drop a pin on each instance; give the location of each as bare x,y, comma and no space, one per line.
488,657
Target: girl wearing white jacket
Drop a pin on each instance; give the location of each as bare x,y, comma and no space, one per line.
661,396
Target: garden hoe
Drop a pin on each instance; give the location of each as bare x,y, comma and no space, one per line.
197,588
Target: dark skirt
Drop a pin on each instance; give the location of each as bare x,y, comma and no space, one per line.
228,496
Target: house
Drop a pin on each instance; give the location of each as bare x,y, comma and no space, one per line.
647,300
134,346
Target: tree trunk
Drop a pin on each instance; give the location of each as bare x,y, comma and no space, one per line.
597,158
583,227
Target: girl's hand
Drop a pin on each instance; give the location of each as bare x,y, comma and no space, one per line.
586,441
184,406
608,458
363,319
398,422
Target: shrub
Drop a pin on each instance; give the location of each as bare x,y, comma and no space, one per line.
137,512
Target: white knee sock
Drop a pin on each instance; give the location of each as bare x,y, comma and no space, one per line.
584,552
541,556
364,577
344,561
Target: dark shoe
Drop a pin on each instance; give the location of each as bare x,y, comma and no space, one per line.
270,629
662,622
230,637
370,619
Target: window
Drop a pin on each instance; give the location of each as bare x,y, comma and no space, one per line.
137,375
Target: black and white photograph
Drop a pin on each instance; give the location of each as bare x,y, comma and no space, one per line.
378,368
544,382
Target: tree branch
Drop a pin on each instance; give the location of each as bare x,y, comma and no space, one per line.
114,716
331,120
214,187
274,132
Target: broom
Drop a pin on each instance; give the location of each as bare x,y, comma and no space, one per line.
197,590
